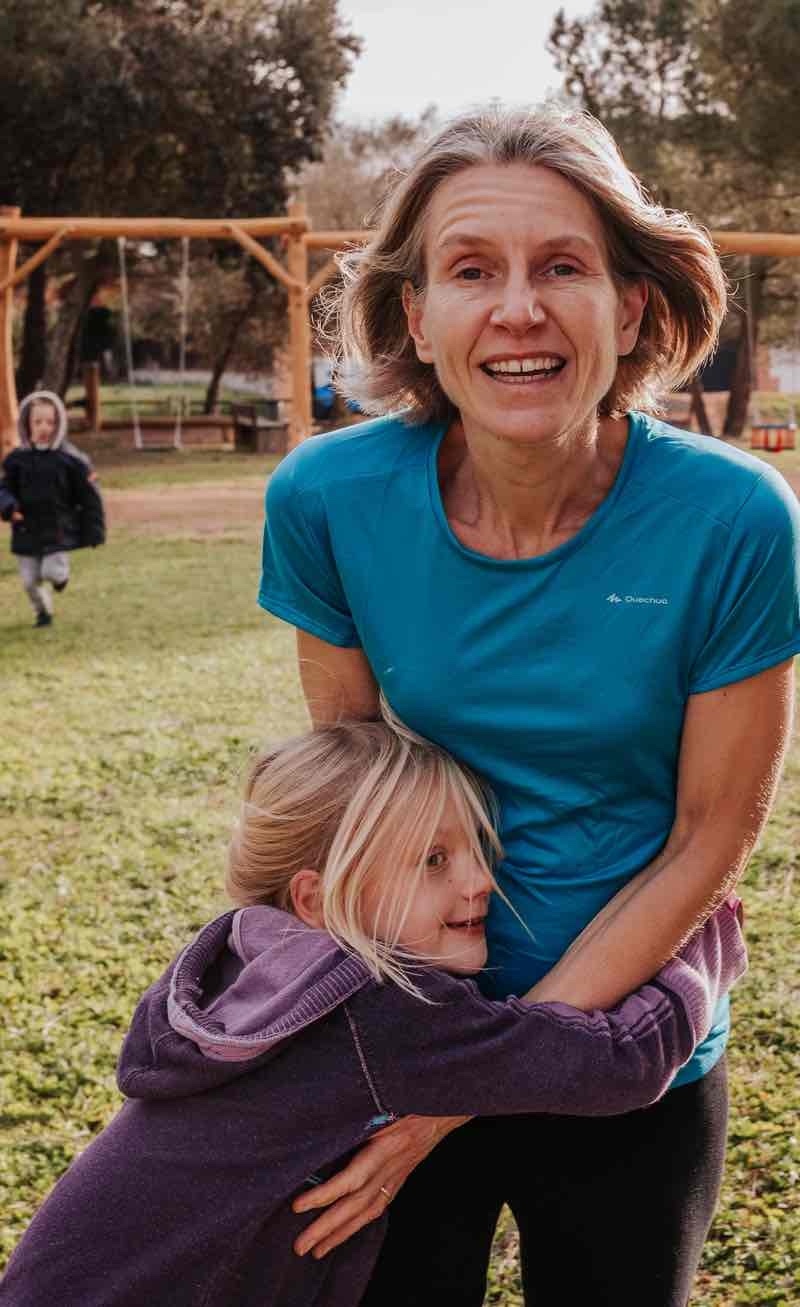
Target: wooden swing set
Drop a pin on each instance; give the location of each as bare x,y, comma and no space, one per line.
294,228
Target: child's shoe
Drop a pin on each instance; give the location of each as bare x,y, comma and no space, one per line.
44,619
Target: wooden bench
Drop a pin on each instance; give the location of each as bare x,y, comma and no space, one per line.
257,429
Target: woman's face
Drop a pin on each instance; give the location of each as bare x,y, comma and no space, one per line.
519,315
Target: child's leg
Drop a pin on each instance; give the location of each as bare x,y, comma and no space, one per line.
55,569
30,570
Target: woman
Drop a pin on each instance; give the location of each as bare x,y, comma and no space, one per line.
593,609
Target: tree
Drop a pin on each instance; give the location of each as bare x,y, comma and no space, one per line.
178,106
344,188
700,98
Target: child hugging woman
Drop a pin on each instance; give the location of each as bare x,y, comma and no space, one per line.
330,1002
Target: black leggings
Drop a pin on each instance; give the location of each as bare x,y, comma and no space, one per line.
612,1211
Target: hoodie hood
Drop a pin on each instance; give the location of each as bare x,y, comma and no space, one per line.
36,397
249,982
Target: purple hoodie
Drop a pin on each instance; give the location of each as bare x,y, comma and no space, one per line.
265,1055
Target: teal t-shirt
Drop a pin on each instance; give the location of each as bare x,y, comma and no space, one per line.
562,679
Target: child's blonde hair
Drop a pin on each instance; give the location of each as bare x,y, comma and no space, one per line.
348,801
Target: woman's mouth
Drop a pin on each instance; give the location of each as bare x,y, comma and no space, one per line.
533,370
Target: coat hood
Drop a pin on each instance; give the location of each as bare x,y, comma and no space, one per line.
24,410
250,981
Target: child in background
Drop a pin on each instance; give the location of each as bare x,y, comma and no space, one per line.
48,496
333,1001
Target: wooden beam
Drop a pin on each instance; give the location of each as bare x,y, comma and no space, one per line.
41,229
335,240
263,257
8,391
326,273
778,245
32,230
40,256
299,333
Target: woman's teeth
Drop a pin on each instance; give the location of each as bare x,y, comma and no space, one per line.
524,367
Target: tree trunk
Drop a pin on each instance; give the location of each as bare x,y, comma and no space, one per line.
222,359
744,379
74,303
698,406
33,355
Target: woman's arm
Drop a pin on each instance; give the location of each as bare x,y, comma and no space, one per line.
494,1058
732,750
337,683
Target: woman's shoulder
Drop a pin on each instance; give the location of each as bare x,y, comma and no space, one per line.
377,448
707,473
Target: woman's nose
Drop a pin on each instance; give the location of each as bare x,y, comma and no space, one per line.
519,307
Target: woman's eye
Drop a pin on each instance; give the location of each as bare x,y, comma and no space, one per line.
470,274
562,269
436,860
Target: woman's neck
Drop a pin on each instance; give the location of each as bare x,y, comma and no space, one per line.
509,500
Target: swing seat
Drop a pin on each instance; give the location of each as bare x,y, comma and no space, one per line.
772,436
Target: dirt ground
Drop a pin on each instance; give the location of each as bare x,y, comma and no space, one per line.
205,509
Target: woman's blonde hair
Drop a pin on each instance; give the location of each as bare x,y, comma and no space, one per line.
378,364
348,801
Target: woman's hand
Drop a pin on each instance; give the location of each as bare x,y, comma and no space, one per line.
363,1190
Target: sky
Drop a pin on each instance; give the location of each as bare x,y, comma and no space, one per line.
421,52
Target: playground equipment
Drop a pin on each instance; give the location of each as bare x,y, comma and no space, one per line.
300,239
183,300
293,227
772,437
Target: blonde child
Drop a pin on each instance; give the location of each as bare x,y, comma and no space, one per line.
332,1001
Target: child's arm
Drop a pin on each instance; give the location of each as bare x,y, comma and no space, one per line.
439,1065
86,498
10,509
466,1055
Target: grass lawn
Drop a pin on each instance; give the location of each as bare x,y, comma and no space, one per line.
125,728
122,468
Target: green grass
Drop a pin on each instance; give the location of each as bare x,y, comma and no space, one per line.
125,729
156,469
117,400
120,467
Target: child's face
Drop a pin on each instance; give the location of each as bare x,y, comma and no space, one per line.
446,923
42,422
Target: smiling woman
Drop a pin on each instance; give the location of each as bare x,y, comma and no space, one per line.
595,611
533,309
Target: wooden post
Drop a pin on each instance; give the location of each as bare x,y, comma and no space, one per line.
299,333
8,390
91,384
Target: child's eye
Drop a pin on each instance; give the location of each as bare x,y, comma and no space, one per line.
470,273
436,860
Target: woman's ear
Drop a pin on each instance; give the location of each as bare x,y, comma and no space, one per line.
632,303
305,891
413,306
